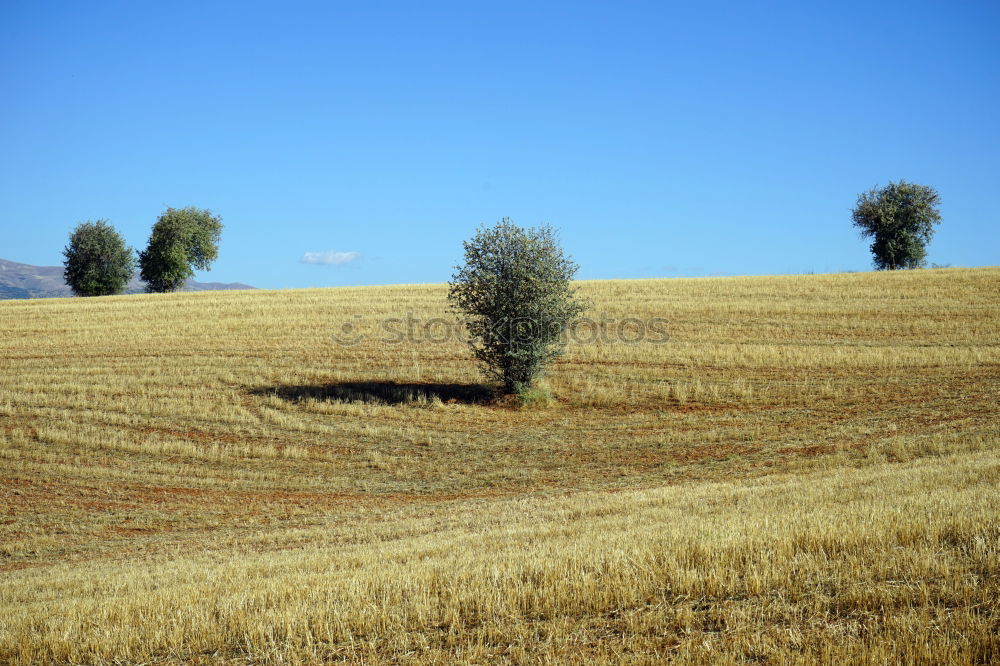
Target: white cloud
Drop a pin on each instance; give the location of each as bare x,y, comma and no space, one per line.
329,258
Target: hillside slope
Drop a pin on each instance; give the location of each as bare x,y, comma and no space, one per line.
803,469
27,281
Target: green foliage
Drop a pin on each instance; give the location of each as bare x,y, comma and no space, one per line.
900,219
183,239
516,296
537,396
97,261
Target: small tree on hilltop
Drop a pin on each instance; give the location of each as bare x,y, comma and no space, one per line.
97,261
900,219
517,299
183,239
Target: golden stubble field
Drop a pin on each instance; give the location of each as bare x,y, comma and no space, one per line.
806,470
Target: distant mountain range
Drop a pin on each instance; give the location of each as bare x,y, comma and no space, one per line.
26,281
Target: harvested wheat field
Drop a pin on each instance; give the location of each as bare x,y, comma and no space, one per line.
804,469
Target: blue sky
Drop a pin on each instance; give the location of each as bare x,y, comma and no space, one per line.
661,138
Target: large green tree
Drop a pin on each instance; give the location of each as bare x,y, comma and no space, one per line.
516,296
182,240
97,260
900,219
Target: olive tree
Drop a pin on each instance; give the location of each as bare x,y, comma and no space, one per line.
97,261
182,240
516,296
900,219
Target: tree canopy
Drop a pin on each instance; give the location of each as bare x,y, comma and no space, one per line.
182,240
515,294
900,219
97,260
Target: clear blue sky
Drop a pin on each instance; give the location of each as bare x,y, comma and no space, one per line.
662,138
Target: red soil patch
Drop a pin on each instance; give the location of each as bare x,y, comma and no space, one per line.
135,531
14,566
219,437
250,498
813,450
716,452
16,483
